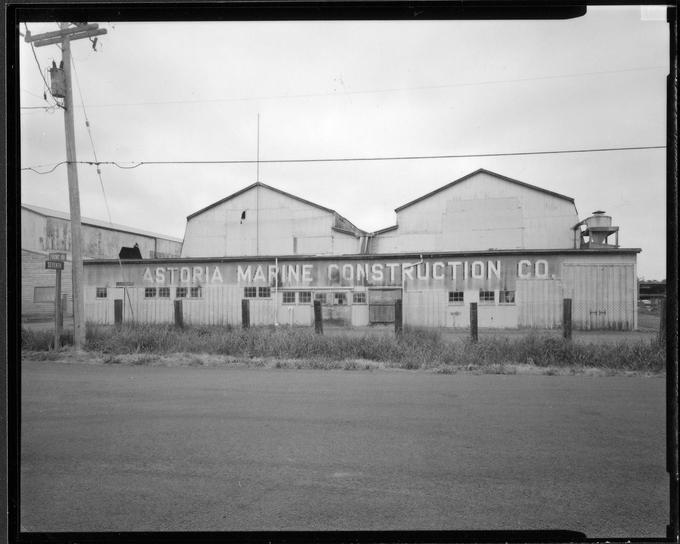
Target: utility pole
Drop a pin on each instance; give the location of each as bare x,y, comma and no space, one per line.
65,35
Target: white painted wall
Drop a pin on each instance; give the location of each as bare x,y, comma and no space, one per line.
275,224
482,212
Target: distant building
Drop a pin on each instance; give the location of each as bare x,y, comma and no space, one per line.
514,249
44,230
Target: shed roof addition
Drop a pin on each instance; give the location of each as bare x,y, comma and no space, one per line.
48,212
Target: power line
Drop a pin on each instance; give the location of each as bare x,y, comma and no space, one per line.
89,133
47,87
376,91
352,159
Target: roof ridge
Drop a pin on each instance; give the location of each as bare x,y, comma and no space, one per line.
491,173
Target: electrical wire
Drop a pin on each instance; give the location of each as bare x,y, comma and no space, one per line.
89,133
357,159
47,87
101,181
377,91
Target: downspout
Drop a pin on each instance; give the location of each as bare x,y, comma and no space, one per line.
403,280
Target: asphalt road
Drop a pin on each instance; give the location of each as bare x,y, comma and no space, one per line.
110,448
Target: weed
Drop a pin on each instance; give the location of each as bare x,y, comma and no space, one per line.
413,349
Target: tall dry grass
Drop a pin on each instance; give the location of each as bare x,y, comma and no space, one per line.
415,348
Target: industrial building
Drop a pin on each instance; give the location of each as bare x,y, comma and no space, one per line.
515,249
45,231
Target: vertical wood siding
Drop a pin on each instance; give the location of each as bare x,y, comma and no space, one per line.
603,295
539,303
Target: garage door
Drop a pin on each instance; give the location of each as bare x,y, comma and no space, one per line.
381,305
603,295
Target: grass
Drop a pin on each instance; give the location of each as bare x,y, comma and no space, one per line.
302,348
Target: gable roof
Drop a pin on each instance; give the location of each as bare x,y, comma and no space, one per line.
289,195
484,171
48,212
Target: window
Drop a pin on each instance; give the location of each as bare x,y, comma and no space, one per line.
43,294
149,292
506,297
320,297
264,292
305,297
487,296
289,297
181,292
164,292
196,292
340,299
101,292
455,297
249,292
359,298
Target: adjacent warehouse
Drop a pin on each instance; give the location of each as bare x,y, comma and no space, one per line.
514,249
45,231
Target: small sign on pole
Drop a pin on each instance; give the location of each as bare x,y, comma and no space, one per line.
56,262
54,265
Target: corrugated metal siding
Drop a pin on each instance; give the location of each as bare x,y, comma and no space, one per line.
603,295
539,303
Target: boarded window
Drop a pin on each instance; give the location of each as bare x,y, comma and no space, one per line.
455,297
249,292
101,292
43,294
264,292
181,292
164,292
359,298
506,297
149,292
487,297
305,297
289,297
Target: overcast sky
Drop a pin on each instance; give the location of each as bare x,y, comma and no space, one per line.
193,91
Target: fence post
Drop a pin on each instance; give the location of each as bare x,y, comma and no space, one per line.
318,320
179,316
566,318
398,319
245,313
118,311
473,321
662,323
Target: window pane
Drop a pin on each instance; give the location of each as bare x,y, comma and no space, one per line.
249,292
181,292
149,292
455,296
101,292
164,292
486,296
264,292
305,297
289,297
196,292
359,298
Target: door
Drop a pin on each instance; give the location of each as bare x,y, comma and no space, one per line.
603,295
381,305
